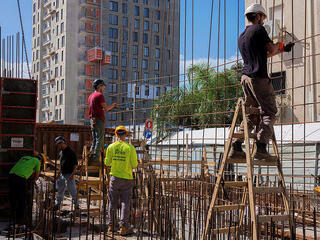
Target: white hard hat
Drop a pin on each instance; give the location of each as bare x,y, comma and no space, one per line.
255,8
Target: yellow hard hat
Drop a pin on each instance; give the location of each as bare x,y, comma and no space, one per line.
317,189
120,128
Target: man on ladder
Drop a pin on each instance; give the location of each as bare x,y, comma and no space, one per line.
255,47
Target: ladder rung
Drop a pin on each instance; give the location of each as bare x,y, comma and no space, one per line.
97,168
241,135
235,184
236,160
265,163
94,182
224,230
275,218
268,190
222,208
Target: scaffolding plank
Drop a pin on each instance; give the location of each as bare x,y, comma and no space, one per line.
235,184
268,189
265,163
275,218
236,160
224,230
223,208
241,135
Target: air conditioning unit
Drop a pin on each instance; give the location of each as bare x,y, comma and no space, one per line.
273,28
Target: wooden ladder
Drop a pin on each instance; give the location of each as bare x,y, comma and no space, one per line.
249,190
85,182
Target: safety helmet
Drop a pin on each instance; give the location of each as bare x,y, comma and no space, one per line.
60,139
41,157
98,82
121,129
256,8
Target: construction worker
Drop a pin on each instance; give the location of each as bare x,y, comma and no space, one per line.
23,171
97,106
68,167
122,158
255,47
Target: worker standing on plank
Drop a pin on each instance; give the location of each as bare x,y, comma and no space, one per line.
26,168
68,167
122,158
97,106
255,47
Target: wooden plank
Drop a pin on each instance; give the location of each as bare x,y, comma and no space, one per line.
90,168
268,189
264,163
224,230
241,135
236,160
235,184
274,218
232,207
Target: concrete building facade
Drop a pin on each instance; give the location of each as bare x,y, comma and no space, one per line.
143,37
295,75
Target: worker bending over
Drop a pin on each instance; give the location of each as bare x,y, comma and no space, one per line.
97,106
122,158
26,168
68,167
255,47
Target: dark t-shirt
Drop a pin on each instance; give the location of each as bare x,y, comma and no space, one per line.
252,45
95,108
68,160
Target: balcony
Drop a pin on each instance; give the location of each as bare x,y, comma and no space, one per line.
45,42
46,28
51,51
45,68
52,11
85,3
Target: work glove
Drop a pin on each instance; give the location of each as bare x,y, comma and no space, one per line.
288,47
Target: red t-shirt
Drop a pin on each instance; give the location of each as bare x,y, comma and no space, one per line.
95,107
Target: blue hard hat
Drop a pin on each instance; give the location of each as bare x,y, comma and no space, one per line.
60,139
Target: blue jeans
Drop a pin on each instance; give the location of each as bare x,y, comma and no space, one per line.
97,130
62,182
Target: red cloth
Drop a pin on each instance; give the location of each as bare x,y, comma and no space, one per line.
95,108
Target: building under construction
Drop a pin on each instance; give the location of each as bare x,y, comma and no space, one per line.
186,187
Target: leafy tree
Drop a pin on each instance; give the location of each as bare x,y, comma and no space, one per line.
205,100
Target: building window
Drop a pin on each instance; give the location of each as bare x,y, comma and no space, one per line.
144,63
113,19
137,90
57,86
156,78
57,32
124,8
169,29
136,11
125,21
146,51
61,56
156,27
145,2
124,61
61,99
146,26
125,35
62,84
157,91
146,13
146,91
157,14
278,80
113,6
113,74
61,14
56,114
136,24
145,38
60,71
62,41
156,65
113,46
34,7
156,40
134,62
56,72
146,77
135,75
62,28
135,36
57,16
60,117
135,50
124,48
156,3
113,33
157,53
135,1
114,60
123,75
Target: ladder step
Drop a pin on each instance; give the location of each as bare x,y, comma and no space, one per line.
241,135
236,160
229,207
275,218
224,230
235,184
97,168
268,190
265,163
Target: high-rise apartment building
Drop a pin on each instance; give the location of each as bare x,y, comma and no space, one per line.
143,37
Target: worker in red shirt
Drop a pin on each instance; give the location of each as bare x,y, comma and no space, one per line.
97,107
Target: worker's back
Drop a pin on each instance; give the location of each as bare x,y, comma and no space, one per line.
252,45
122,157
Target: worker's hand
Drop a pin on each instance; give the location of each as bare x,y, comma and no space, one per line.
114,105
288,47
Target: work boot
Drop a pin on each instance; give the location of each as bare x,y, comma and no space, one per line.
124,230
236,151
262,153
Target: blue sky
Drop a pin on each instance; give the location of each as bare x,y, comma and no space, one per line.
9,21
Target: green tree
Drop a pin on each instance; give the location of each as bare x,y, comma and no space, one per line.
207,99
